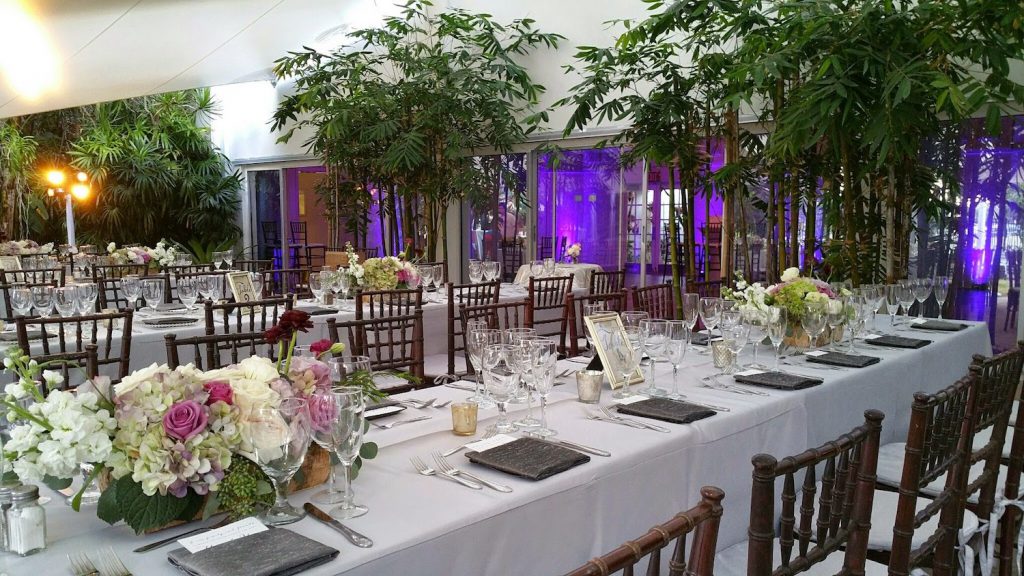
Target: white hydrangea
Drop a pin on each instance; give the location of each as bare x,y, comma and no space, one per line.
791,273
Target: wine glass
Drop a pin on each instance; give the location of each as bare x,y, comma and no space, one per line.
427,278
941,287
341,286
344,366
675,351
21,300
710,310
348,428
86,296
132,289
501,382
279,437
316,285
496,272
778,320
519,360
757,323
438,277
323,415
892,303
188,291
476,271
591,310
835,317
42,300
691,305
204,284
153,292
218,259
814,320
653,337
543,358
229,258
737,339
922,290
905,293
478,338
626,357
537,268
632,318
64,300
490,270
257,283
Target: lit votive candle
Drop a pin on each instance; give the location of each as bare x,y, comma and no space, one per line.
464,418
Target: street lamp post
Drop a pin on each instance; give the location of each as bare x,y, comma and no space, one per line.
79,190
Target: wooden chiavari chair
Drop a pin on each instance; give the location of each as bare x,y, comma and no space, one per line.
470,295
34,276
6,290
238,317
214,351
607,282
613,302
384,303
548,306
702,520
815,532
658,301
254,265
68,364
73,334
511,259
393,343
287,281
118,270
498,315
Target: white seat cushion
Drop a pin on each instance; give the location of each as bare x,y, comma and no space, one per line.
733,562
890,470
437,364
883,519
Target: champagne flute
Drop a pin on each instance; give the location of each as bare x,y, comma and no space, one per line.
941,286
907,297
892,303
922,290
543,358
348,429
691,307
279,437
478,338
675,351
427,277
777,322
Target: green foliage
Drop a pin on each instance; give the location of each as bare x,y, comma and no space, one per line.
244,489
124,500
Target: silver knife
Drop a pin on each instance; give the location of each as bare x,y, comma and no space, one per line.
350,534
579,447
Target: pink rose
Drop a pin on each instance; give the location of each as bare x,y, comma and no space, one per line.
220,391
320,346
184,420
283,387
321,373
322,412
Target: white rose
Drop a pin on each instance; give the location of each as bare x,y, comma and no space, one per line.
252,394
258,368
133,380
790,274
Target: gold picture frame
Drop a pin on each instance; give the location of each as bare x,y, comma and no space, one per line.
605,328
241,287
10,263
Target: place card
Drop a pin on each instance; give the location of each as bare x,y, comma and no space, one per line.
227,533
919,321
751,372
815,353
488,443
629,399
872,336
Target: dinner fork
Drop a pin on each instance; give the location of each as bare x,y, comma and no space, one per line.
112,565
447,468
418,404
391,425
654,427
443,404
428,471
81,565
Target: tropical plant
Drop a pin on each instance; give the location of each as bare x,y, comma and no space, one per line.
404,108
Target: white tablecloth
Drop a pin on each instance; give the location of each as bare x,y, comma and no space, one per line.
581,274
429,526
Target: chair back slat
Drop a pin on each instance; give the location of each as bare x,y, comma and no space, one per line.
58,337
549,311
607,282
497,315
254,265
212,351
384,303
576,308
287,281
701,520
236,317
852,455
656,300
34,276
470,295
391,342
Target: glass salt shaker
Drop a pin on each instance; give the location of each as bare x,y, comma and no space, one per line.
5,505
26,521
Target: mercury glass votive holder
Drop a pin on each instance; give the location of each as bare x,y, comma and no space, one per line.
464,415
588,385
721,355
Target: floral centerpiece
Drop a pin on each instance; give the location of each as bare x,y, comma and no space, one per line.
173,444
794,292
24,248
387,273
574,250
163,254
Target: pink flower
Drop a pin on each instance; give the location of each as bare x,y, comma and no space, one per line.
306,368
282,387
320,346
220,391
184,420
322,411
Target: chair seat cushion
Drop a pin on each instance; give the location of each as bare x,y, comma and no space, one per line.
890,470
883,519
733,562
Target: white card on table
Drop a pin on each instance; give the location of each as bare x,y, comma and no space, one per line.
630,399
227,533
488,443
872,336
382,411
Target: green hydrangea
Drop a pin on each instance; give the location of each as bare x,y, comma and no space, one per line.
244,489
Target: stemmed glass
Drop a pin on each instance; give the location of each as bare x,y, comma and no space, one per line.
323,416
438,279
347,435
519,360
906,295
153,292
836,317
626,356
86,297
426,278
549,267
257,284
941,291
501,382
490,270
543,357
218,259
188,291
814,320
675,351
892,303
21,300
476,271
341,285
777,318
632,318
42,300
591,310
757,323
653,338
478,338
710,309
691,306
859,310
515,336
342,367
537,268
132,289
316,285
922,290
64,301
279,438
229,258
737,341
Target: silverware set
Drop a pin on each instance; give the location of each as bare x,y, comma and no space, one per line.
107,561
609,415
445,467
490,432
391,425
713,383
425,470
421,404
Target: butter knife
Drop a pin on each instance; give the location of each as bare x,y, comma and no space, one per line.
578,447
350,534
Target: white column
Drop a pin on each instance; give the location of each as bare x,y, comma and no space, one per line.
70,214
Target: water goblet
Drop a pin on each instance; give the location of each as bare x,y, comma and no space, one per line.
21,300
675,351
653,338
500,381
905,293
626,357
476,271
835,317
86,296
323,415
348,428
317,284
710,310
64,300
279,437
814,321
188,291
131,287
153,292
519,360
479,337
42,300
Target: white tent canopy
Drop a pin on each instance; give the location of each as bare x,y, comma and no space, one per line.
62,53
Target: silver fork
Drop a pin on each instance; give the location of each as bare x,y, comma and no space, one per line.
112,565
428,471
443,404
391,425
654,427
81,565
418,404
447,468
490,432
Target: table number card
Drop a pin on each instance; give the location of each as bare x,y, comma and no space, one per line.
241,287
10,263
607,331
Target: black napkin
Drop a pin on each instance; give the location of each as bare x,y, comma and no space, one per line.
316,310
779,380
529,458
841,359
667,410
939,325
383,404
702,339
275,552
170,320
170,306
898,342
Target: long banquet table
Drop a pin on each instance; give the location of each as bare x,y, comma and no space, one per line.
428,526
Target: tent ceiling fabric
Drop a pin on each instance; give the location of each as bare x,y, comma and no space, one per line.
72,53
